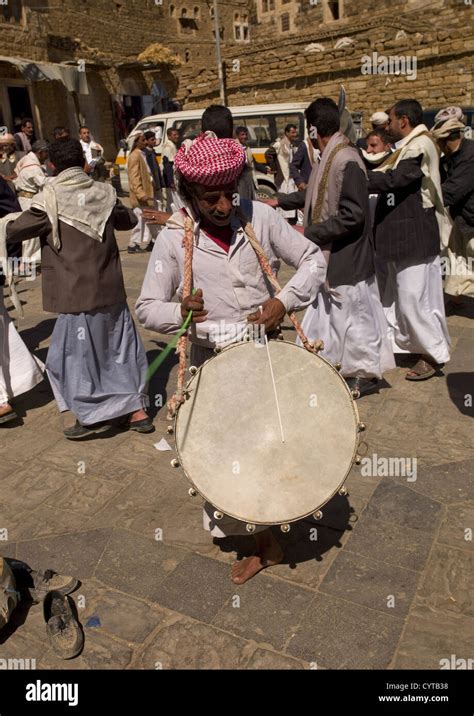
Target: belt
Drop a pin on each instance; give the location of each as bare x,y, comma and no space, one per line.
27,194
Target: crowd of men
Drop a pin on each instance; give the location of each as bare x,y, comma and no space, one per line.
366,226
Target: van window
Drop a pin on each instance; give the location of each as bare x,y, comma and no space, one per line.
152,126
187,128
264,130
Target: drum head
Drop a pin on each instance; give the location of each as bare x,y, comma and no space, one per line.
228,434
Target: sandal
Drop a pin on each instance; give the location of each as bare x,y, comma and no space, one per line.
422,370
7,413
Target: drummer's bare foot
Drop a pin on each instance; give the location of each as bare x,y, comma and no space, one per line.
268,553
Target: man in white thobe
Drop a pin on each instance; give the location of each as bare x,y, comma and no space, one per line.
411,226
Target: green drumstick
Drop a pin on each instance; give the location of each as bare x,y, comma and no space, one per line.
153,367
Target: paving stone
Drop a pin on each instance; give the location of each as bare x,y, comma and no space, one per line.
46,521
449,482
431,636
265,659
85,494
184,644
264,610
76,553
457,528
145,505
336,634
402,547
447,582
19,645
100,652
371,583
211,586
31,486
400,505
137,565
122,616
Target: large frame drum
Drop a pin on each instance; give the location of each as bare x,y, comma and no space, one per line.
229,440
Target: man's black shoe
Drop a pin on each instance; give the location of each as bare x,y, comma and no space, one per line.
134,250
78,431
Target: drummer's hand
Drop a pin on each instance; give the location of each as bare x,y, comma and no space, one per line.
194,303
273,312
270,202
152,216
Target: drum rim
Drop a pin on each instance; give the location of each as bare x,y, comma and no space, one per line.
314,509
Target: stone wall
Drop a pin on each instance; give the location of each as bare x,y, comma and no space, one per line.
275,66
274,71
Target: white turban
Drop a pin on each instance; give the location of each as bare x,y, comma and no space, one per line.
379,118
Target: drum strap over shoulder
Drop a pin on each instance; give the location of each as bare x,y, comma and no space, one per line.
318,345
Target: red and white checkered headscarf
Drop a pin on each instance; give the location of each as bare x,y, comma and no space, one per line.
210,161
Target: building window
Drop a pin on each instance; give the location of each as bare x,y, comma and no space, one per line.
12,11
172,10
237,35
187,56
333,10
184,12
285,22
265,5
245,30
196,12
211,12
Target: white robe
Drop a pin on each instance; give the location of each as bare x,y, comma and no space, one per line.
413,304
31,179
351,322
19,370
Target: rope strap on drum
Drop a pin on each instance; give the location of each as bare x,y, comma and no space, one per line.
188,240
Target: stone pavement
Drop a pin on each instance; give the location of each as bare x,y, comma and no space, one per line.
388,583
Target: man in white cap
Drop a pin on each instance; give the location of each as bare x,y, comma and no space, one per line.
458,195
379,120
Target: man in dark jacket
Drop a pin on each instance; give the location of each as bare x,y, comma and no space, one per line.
408,219
96,361
458,195
347,315
302,164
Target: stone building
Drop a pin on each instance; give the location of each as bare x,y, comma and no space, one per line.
301,49
107,62
45,45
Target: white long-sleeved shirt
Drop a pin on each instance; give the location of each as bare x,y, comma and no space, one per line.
233,283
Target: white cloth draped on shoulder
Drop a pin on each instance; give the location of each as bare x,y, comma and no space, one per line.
20,371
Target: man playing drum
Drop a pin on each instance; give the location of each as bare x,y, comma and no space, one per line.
229,285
